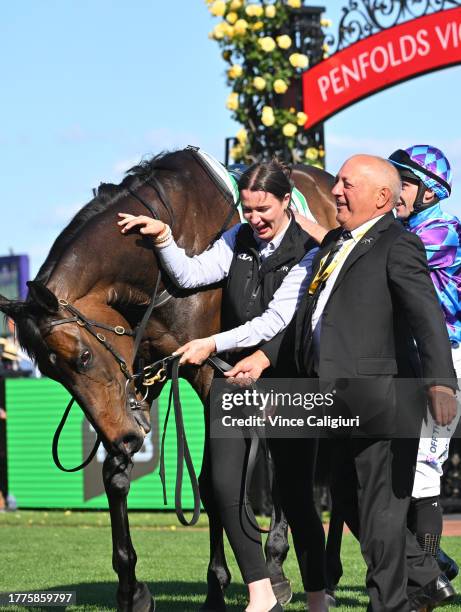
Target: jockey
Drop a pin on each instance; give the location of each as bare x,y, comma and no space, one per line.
426,180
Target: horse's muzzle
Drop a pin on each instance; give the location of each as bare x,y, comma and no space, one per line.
130,443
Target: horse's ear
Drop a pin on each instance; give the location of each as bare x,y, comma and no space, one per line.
42,296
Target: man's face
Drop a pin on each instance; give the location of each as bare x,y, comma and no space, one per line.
355,191
406,203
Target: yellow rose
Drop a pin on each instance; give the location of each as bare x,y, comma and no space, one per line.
218,31
267,117
270,11
240,26
299,60
294,3
326,47
326,23
284,42
218,8
232,17
321,153
312,153
236,152
235,5
289,130
267,44
235,71
301,118
280,86
257,10
259,83
242,136
233,101
229,31
258,25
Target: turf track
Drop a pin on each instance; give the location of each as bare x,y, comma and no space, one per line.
71,551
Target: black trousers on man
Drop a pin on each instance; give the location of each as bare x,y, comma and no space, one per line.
372,481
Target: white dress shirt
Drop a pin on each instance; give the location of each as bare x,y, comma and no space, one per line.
213,265
357,235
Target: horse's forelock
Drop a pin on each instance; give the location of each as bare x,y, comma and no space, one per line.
29,335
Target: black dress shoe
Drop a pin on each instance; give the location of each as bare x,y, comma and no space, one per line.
437,593
447,565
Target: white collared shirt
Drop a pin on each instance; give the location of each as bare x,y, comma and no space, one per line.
357,235
213,265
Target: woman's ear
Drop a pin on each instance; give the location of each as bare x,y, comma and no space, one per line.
286,200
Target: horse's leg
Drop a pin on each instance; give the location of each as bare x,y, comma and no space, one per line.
276,547
132,596
218,574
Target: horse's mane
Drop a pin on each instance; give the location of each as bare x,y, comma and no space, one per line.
174,163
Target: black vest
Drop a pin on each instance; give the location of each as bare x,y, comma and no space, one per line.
251,284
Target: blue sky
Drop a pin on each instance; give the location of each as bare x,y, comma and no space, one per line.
91,86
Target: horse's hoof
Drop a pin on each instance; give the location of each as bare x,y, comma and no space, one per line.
142,600
214,601
282,590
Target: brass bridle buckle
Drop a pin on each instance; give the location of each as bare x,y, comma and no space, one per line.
152,380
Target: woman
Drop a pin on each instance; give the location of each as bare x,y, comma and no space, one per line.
267,263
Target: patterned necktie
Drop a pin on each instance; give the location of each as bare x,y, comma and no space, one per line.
329,263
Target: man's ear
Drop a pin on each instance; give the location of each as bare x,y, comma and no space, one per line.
43,297
384,197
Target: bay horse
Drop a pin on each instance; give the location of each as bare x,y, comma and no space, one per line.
108,279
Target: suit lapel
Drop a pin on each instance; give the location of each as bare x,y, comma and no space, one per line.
328,243
366,243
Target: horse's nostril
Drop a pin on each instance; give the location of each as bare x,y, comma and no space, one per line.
132,443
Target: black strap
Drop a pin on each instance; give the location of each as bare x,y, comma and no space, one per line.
143,324
158,188
182,453
54,446
145,203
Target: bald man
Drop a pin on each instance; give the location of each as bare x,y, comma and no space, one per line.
369,296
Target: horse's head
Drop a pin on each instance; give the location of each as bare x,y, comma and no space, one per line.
89,365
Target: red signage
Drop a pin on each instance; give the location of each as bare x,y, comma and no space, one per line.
381,60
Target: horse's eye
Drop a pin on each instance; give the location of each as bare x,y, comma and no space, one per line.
85,358
52,358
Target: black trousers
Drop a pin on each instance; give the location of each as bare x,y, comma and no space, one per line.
222,488
372,481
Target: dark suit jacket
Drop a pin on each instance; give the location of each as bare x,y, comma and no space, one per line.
382,300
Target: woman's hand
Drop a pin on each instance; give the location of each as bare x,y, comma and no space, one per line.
249,369
147,226
196,352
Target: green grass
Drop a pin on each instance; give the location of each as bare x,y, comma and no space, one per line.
71,551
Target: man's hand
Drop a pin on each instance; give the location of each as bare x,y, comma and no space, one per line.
443,405
248,370
196,352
